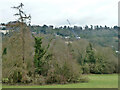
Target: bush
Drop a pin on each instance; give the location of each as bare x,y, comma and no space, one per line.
83,79
52,77
63,74
26,79
86,69
39,79
5,80
15,77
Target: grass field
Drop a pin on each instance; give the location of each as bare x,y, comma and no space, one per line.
96,81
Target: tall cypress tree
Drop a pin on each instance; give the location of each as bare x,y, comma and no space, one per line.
41,57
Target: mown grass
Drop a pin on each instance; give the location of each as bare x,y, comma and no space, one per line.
96,81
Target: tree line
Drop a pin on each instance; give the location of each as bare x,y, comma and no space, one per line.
34,59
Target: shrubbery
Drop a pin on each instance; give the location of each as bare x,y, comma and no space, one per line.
33,60
54,62
51,70
97,64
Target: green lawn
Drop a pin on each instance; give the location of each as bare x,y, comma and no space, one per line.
96,81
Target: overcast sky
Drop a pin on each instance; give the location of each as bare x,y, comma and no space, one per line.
56,12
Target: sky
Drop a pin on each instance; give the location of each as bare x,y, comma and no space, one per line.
56,12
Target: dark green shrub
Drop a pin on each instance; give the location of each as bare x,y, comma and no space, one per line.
4,51
41,57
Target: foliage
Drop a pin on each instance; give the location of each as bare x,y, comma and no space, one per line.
96,81
4,51
97,64
89,58
28,60
12,55
41,59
